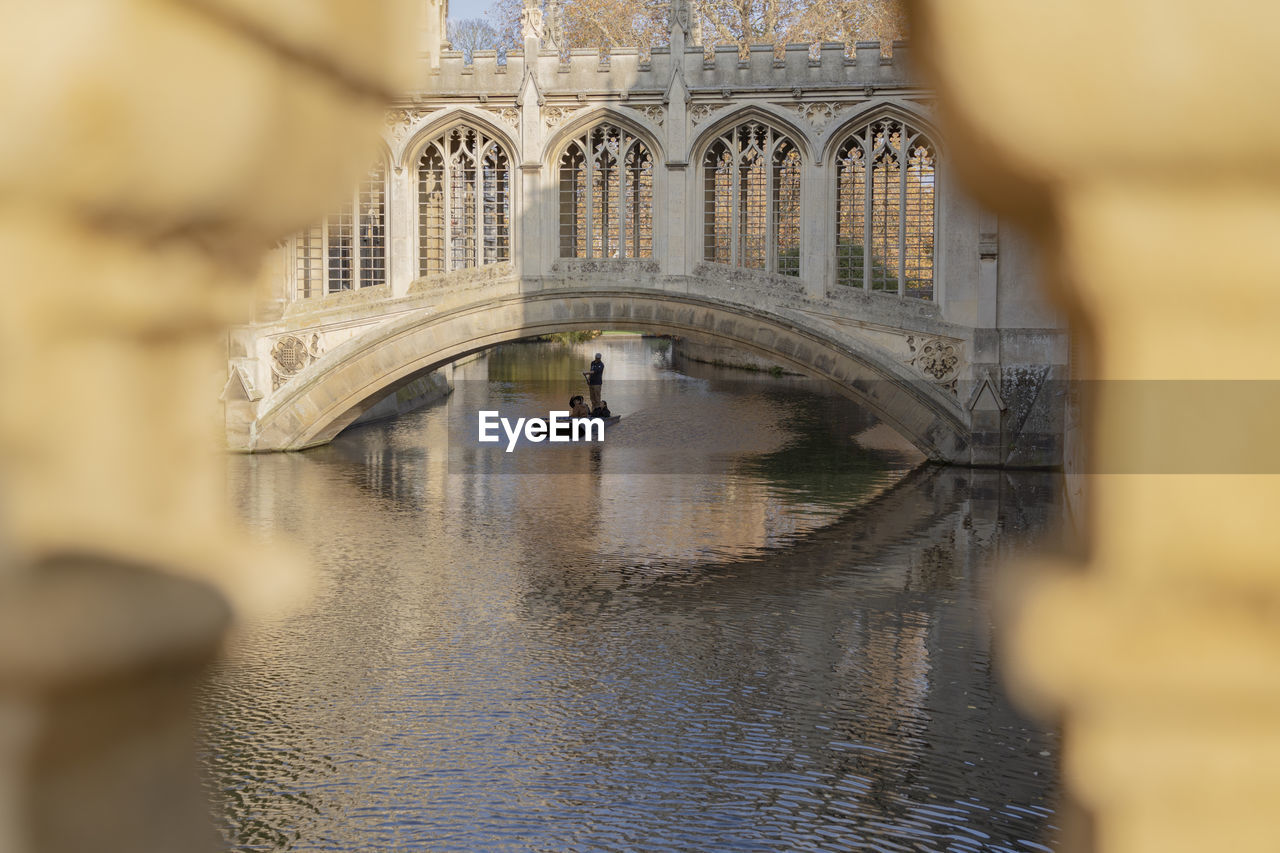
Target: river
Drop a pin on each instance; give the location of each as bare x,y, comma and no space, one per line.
727,627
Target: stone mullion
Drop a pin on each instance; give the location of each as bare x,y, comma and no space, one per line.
324,257
868,208
589,191
354,277
817,228
622,196
902,216
770,205
446,219
478,215
737,215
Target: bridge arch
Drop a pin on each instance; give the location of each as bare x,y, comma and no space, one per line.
326,397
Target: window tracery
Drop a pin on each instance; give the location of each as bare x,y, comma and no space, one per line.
606,195
885,212
347,250
464,202
751,183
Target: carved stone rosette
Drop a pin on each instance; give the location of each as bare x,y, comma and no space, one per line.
937,359
290,355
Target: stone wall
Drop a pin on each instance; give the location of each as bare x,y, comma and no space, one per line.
418,394
720,355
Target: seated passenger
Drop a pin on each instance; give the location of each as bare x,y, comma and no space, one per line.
603,411
578,408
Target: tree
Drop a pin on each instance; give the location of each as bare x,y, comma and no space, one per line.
848,21
643,23
471,34
614,23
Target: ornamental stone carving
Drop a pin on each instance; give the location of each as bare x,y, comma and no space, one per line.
290,355
819,113
399,121
698,112
556,116
680,10
510,115
531,22
937,359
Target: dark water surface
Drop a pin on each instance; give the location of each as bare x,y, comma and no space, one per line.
727,628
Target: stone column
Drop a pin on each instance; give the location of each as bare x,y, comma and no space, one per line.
676,249
816,230
402,223
1161,654
153,152
681,231
533,240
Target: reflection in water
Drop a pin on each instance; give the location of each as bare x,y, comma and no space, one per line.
776,649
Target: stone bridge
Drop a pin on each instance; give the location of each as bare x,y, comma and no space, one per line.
797,203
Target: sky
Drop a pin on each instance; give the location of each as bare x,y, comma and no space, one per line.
459,9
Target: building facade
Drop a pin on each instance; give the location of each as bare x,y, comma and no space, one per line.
803,187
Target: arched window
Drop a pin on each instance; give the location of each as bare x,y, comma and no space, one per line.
751,177
464,202
606,196
885,175
348,249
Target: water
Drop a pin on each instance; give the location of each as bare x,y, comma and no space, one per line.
727,628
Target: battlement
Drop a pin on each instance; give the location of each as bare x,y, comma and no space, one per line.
722,68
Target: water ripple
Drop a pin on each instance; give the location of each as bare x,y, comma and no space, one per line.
763,658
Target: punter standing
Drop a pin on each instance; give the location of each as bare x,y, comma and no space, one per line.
595,378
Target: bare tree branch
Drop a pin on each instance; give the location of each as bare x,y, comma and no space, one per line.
644,23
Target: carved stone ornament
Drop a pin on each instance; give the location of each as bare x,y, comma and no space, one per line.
937,359
699,112
400,120
531,23
556,116
682,14
653,113
290,355
510,115
819,113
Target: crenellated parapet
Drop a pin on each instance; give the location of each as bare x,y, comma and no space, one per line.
762,67
813,90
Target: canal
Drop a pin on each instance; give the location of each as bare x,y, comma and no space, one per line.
730,626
